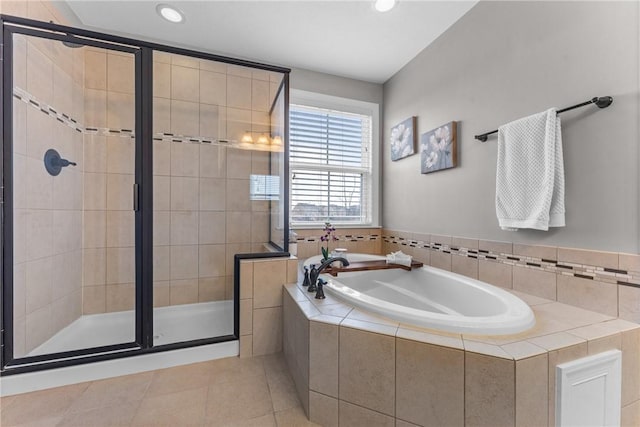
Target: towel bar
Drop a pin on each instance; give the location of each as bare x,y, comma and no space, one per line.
601,102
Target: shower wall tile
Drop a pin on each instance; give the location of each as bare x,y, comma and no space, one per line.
161,228
161,80
212,228
120,111
94,299
213,161
120,73
19,127
120,265
20,248
184,194
95,153
260,227
38,284
161,193
39,74
65,310
267,331
39,185
121,155
19,290
185,159
238,163
185,118
120,297
271,275
161,263
239,92
161,120
39,233
211,260
67,231
95,191
120,192
183,292
213,88
120,229
38,328
62,90
94,267
161,158
260,162
238,123
161,294
239,227
209,121
39,128
184,262
216,67
95,70
184,228
238,195
238,70
212,194
260,100
211,289
95,108
185,61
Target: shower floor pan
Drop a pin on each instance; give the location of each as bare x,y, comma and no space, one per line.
172,324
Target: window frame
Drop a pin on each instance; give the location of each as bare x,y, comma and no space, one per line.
347,105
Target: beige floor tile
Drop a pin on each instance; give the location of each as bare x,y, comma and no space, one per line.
184,408
180,378
113,392
34,408
353,415
119,415
268,420
238,400
293,417
235,369
282,390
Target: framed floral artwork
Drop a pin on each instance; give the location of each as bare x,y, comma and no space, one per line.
403,139
438,148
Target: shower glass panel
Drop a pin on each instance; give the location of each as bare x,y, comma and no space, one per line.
73,175
211,143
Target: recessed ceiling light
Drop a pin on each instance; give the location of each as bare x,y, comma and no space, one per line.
384,5
170,13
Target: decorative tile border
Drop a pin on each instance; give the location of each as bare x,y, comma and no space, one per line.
583,271
68,120
342,238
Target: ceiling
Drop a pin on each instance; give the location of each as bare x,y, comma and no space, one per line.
344,38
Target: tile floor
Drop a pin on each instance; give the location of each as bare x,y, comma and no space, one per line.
227,392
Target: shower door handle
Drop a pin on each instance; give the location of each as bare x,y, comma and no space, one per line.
136,197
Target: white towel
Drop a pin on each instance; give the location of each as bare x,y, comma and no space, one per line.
530,174
399,258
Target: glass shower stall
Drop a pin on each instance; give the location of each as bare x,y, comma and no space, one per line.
132,174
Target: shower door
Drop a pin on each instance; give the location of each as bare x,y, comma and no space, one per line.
71,175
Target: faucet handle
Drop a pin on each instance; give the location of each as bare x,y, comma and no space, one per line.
319,290
306,281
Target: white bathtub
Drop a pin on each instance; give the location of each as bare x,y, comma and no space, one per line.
432,298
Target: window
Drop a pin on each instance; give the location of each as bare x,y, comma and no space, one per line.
331,163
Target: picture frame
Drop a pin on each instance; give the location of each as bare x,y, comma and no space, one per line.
403,138
439,148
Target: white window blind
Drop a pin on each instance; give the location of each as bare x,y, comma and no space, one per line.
330,163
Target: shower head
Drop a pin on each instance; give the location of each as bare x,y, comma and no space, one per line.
72,44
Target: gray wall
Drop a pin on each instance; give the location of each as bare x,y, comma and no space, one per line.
505,60
329,84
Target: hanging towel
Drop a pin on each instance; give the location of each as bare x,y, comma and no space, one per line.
530,174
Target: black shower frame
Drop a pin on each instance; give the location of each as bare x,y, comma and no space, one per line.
143,54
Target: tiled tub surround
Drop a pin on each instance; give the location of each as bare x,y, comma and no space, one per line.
605,282
261,289
354,368
358,240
